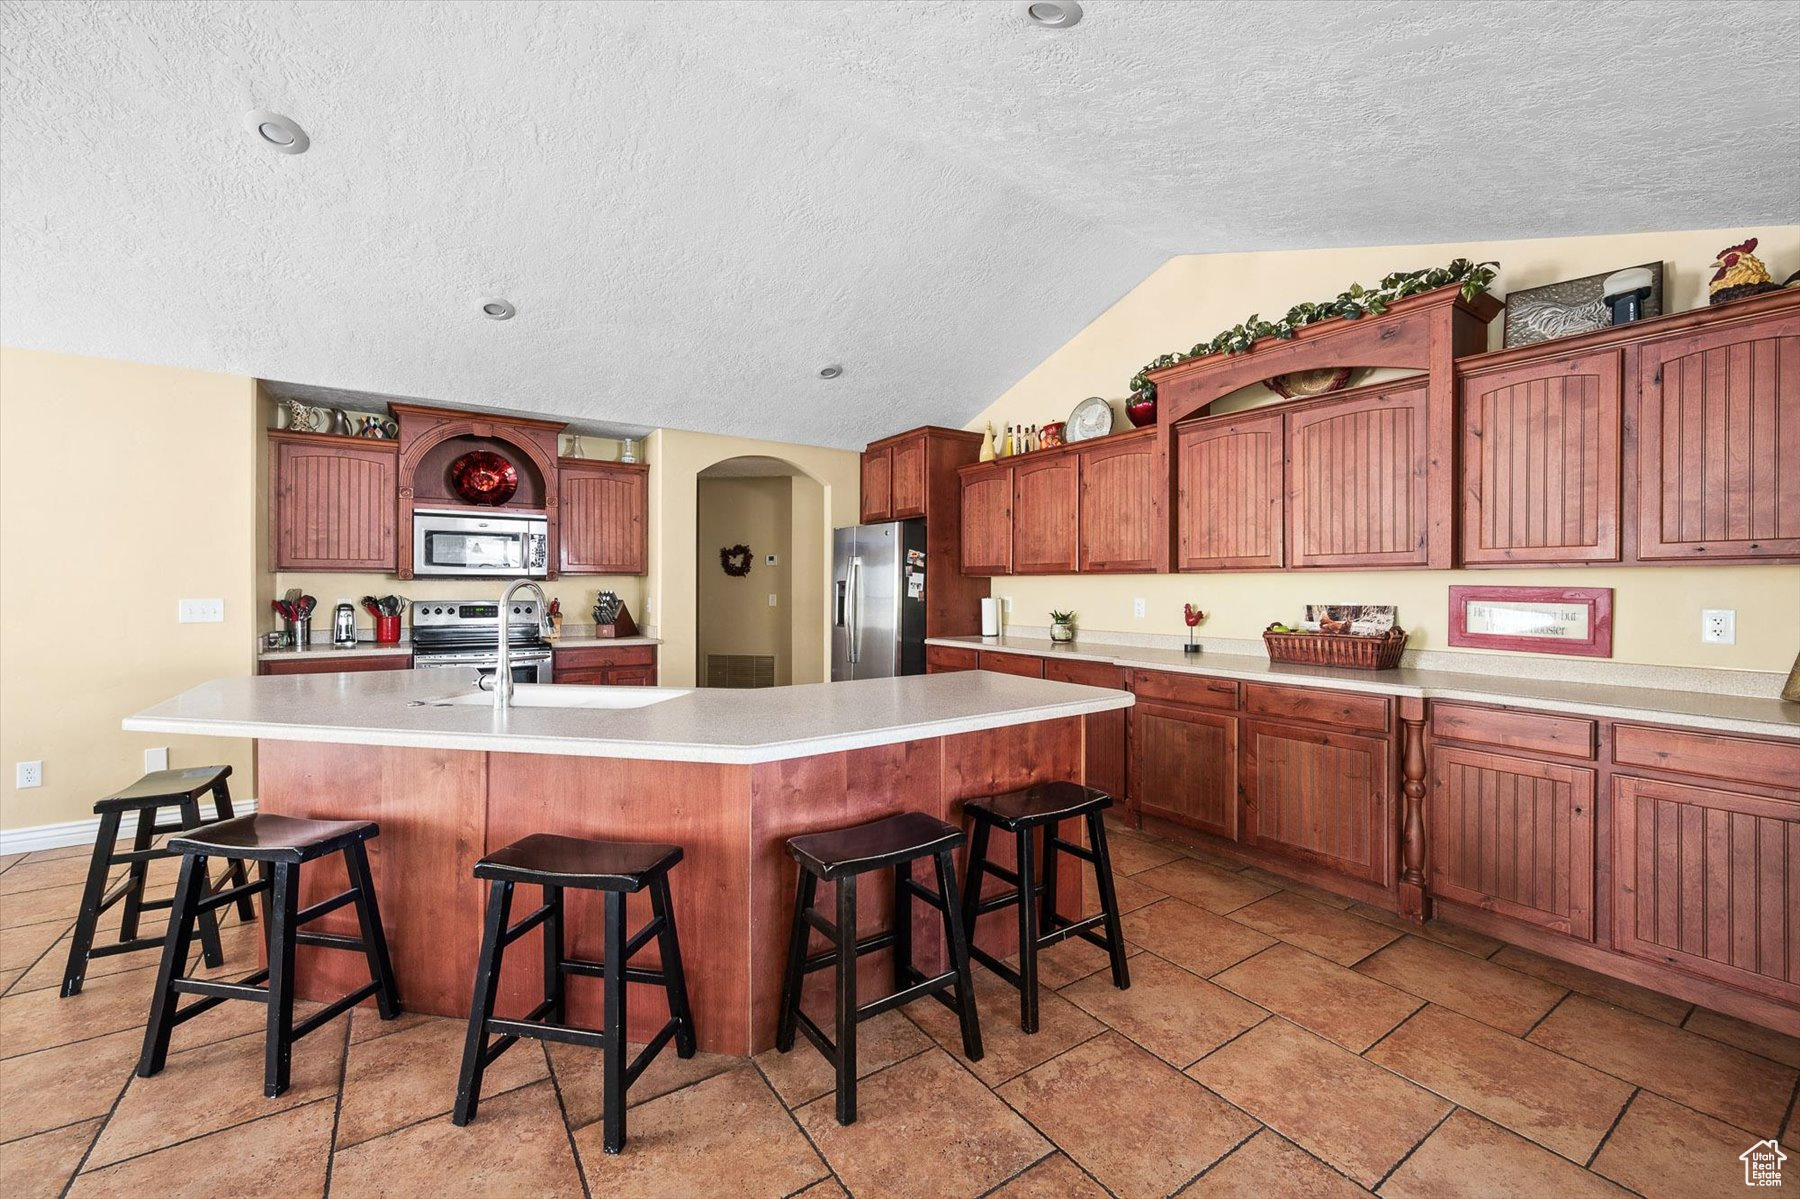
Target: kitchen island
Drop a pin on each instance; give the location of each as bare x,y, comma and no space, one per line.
727,775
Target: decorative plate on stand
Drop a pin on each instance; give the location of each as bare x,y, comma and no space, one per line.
484,477
1092,418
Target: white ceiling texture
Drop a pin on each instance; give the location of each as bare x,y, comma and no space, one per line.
695,206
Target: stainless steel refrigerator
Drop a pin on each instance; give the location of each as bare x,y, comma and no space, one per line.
878,600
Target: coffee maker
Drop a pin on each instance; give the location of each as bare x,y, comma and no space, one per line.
343,625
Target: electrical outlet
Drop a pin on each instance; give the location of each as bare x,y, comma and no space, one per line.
1718,626
771,560
771,599
156,759
200,611
30,774
1006,605
1137,608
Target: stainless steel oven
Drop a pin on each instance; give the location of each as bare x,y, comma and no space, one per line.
466,634
465,543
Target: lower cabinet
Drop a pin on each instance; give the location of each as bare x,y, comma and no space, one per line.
1184,767
324,665
1513,835
1104,731
1019,664
605,666
946,659
1321,797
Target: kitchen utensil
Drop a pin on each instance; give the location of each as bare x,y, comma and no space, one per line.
1092,418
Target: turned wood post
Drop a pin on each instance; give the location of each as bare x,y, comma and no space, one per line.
1414,904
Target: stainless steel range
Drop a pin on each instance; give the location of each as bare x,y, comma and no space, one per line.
467,633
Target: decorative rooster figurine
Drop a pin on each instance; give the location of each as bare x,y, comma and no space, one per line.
1193,616
1741,273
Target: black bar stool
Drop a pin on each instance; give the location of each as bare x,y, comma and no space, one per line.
278,845
839,857
618,868
1022,813
181,790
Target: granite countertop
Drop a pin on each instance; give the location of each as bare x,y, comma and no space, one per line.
1760,715
708,725
580,642
324,649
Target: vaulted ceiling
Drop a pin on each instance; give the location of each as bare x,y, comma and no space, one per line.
696,206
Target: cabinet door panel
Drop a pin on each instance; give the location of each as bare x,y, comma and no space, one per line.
944,659
1045,529
908,478
1514,836
1718,445
334,507
987,521
1320,797
1708,881
1230,502
1024,665
1184,767
1356,481
877,485
1540,462
605,519
1118,508
1105,730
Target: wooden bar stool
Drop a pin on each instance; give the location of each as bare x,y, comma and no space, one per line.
618,868
840,857
1022,813
278,845
178,789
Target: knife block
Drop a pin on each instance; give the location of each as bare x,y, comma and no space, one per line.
622,625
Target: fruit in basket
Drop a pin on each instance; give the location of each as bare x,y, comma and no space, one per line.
1278,627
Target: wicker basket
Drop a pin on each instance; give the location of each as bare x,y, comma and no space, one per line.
1338,649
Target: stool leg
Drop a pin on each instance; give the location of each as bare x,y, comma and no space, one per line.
846,1000
235,874
972,878
278,1040
612,1028
75,971
957,937
210,950
1028,932
1109,901
374,938
138,872
553,955
674,975
903,929
1047,901
179,940
806,889
481,1005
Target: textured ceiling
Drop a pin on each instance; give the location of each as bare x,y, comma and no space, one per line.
696,206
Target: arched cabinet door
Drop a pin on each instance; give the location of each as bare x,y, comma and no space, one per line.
1229,510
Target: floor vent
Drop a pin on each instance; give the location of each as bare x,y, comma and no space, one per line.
740,670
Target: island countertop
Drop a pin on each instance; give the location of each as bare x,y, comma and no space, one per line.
725,726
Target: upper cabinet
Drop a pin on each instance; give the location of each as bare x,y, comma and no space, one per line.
1229,493
1118,504
605,510
878,485
1045,497
987,519
1356,479
913,476
331,503
908,478
1540,461
893,477
1079,508
1718,442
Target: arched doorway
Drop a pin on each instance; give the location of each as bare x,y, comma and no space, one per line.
764,626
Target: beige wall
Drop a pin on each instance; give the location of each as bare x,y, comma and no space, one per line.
1657,609
734,615
123,489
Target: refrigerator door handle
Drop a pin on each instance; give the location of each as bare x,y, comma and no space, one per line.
855,610
839,619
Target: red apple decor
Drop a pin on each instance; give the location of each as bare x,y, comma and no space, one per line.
1140,409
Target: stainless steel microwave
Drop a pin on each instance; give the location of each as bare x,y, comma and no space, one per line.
459,543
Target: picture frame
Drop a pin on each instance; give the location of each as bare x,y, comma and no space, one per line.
1570,307
1540,620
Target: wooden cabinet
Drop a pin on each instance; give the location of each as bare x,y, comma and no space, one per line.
331,503
1540,461
1105,731
1356,479
878,484
605,517
945,659
1229,505
1045,530
338,665
609,666
1118,507
987,520
893,478
1718,442
1184,767
1026,665
1321,797
1515,836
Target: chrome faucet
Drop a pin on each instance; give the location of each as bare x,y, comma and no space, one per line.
503,680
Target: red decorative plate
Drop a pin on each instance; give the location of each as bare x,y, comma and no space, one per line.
484,477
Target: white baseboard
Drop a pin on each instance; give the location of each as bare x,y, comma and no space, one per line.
81,832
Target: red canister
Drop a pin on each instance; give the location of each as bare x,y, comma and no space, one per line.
387,630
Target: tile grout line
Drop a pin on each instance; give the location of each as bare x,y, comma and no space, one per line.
794,1119
1548,1012
562,1110
1610,1129
1026,1169
199,1136
98,1132
1231,1152
337,1110
1417,1145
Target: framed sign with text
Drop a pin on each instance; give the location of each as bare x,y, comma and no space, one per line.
1542,620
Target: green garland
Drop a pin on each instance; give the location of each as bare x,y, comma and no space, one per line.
1474,277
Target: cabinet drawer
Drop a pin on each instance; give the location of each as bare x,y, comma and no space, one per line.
1197,690
944,659
1088,674
1020,664
1710,755
632,676
1569,736
1338,708
590,658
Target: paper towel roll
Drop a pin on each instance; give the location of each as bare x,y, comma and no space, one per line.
990,617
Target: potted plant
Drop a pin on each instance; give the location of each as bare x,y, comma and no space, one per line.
1062,625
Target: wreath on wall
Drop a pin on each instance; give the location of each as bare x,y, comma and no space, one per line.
736,560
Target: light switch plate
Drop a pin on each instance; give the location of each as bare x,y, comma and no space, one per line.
1137,608
29,774
200,611
1718,626
771,599
156,759
1006,605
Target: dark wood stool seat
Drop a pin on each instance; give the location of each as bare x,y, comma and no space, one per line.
1021,813
617,868
182,790
839,856
279,845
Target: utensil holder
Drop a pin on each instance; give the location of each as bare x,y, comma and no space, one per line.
387,630
299,633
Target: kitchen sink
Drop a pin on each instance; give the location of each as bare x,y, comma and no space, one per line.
560,695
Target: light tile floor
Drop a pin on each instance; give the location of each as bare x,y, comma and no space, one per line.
1276,1041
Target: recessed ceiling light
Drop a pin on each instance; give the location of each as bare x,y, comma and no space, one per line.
831,371
498,310
1051,14
277,132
